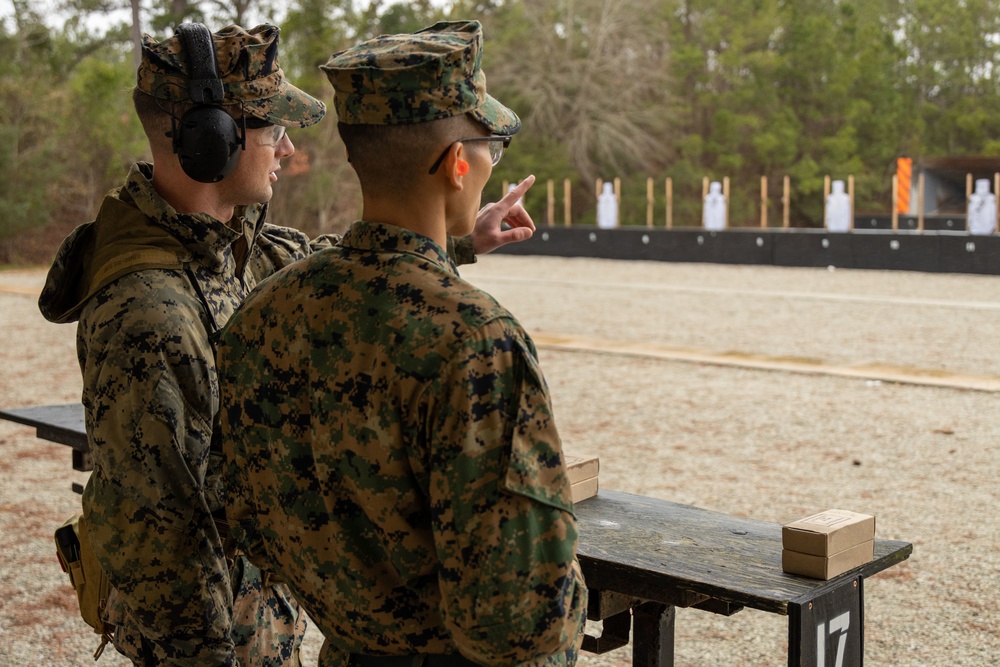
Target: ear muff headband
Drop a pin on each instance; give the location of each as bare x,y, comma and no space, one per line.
207,140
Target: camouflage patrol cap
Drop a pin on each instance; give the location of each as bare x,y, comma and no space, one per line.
248,66
415,78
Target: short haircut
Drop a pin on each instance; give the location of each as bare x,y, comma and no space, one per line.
392,158
155,115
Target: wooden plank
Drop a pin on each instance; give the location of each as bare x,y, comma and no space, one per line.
605,604
83,461
863,371
615,634
662,551
718,607
62,424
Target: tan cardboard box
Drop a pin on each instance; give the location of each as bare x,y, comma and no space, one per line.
583,490
579,468
827,567
829,532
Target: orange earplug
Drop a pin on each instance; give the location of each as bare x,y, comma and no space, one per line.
462,167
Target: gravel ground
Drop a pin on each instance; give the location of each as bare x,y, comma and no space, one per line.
771,445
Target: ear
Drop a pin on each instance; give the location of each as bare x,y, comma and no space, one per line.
455,166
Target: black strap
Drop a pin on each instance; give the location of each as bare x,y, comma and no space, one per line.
204,84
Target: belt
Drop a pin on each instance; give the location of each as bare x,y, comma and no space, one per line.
414,660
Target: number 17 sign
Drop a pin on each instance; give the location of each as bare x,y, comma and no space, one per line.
827,630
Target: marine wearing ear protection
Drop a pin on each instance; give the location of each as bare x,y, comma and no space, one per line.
207,140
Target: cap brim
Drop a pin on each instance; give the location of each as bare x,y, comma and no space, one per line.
291,107
497,118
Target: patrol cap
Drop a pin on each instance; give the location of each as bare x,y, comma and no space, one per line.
248,66
415,78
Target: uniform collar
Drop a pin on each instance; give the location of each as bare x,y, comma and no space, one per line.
383,237
206,238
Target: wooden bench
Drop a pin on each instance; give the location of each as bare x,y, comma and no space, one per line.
643,558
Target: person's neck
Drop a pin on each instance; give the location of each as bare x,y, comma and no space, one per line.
423,216
189,196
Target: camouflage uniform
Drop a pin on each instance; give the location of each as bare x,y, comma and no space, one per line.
391,451
150,288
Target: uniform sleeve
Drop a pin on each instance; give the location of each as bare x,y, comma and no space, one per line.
230,435
277,247
504,528
149,375
461,250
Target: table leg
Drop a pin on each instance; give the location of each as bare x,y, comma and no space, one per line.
83,461
652,635
826,629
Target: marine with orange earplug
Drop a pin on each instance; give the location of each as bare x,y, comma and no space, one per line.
397,411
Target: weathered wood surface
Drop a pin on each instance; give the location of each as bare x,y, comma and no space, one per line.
677,554
57,423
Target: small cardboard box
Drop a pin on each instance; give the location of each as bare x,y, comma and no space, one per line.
583,490
827,533
827,567
580,468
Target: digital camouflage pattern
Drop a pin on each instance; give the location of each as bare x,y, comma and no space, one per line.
150,289
392,456
414,78
248,66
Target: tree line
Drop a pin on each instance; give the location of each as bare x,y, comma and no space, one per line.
649,88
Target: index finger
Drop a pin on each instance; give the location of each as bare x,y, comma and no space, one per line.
518,190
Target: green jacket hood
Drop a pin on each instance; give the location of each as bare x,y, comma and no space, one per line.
95,254
135,230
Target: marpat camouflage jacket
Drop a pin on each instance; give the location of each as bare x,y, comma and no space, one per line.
392,456
150,288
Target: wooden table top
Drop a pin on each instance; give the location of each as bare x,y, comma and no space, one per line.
645,547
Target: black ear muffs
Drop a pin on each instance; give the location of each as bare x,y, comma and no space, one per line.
207,140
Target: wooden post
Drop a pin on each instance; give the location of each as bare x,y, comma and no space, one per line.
895,198
550,199
996,192
649,201
598,187
763,202
670,202
506,188
920,202
704,187
786,201
567,204
968,199
618,199
725,195
826,195
850,197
